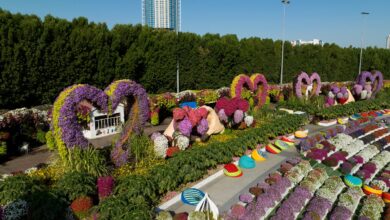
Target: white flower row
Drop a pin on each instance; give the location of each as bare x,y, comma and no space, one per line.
381,160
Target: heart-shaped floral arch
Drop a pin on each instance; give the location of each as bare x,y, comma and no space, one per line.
68,132
303,81
372,81
257,84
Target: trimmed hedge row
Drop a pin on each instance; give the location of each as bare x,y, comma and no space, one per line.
314,107
186,166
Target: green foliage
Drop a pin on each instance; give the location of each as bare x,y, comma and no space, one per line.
41,136
3,148
50,141
67,52
17,187
124,207
75,184
47,204
141,147
89,160
134,186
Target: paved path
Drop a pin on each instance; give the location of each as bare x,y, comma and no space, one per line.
37,156
224,191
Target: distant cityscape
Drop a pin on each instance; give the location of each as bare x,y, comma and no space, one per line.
161,14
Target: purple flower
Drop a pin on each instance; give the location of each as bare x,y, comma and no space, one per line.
155,135
369,167
341,213
246,198
346,167
185,127
238,116
358,159
294,160
236,211
319,205
203,126
119,156
222,116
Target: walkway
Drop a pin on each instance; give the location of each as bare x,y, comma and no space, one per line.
224,191
37,156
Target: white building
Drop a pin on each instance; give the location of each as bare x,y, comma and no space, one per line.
388,42
301,42
102,124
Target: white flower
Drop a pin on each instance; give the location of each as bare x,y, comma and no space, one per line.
380,184
15,210
182,142
4,176
248,120
161,145
30,170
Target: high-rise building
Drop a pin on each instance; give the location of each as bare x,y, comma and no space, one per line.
388,42
164,14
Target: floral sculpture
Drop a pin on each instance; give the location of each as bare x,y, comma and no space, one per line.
186,119
309,86
68,132
336,95
257,84
233,111
367,85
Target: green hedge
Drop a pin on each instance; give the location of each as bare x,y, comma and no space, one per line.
315,106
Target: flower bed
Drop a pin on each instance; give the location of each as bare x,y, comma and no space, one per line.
347,204
373,206
297,200
324,199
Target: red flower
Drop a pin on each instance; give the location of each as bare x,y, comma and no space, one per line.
243,105
82,204
171,151
178,114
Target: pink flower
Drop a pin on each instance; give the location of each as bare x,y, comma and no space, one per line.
238,116
178,114
243,105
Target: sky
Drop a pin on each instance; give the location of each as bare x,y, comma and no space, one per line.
332,21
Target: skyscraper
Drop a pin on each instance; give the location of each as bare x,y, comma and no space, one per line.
388,42
164,14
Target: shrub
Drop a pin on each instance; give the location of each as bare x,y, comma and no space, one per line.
76,184
41,136
17,187
124,207
90,160
3,148
48,204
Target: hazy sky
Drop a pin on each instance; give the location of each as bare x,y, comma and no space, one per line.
333,21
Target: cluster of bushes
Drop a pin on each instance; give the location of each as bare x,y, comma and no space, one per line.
67,52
